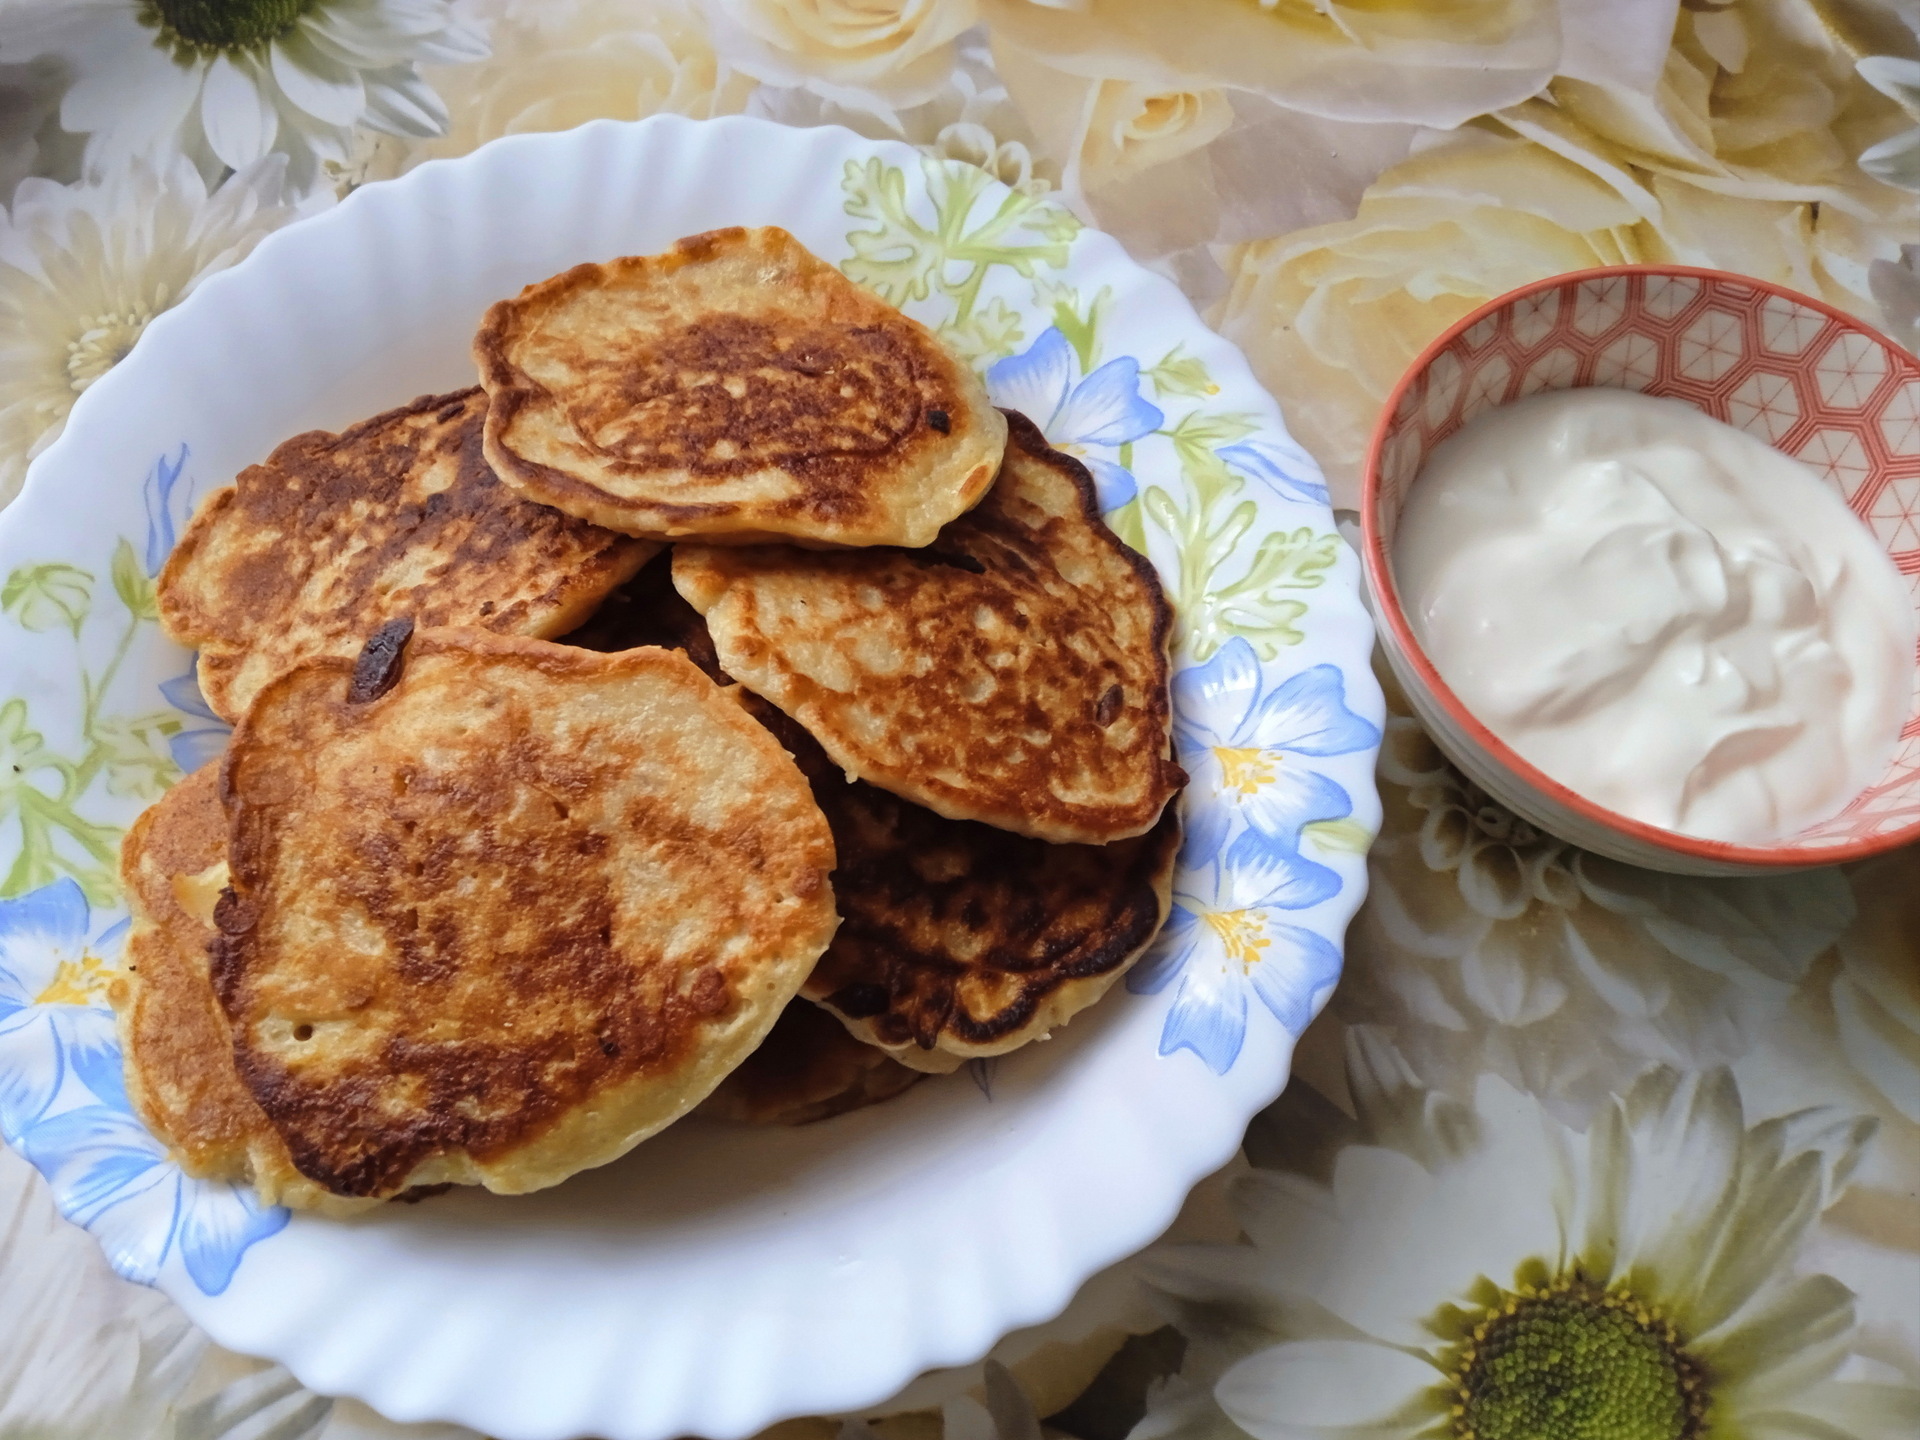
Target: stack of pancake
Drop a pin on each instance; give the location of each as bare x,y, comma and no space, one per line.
532,838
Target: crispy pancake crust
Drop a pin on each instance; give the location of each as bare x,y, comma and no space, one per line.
1014,672
736,388
957,940
179,1056
178,1049
396,516
501,923
808,1068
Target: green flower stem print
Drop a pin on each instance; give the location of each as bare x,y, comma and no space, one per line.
1096,412
904,261
44,794
1212,528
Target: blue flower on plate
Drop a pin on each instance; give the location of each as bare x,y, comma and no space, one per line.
54,1020
1282,466
193,748
165,511
1089,420
111,1176
1244,739
1222,939
64,1104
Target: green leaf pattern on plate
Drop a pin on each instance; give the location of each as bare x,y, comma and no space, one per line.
1233,577
903,260
46,796
42,597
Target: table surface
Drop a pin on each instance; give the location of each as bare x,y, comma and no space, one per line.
1577,1150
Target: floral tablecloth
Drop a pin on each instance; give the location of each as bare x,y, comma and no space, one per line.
1578,1152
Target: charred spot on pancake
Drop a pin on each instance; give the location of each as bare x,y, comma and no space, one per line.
232,915
956,560
941,421
334,534
378,669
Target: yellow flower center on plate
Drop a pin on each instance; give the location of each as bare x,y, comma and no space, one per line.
1243,934
1246,770
77,982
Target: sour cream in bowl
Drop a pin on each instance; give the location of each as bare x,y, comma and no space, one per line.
1642,548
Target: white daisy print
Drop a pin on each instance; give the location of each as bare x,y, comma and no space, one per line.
1487,1273
85,267
227,82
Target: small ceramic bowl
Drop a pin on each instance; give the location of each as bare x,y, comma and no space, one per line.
1807,379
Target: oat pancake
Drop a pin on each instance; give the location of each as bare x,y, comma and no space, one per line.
177,1047
398,515
736,388
959,941
504,920
179,1055
1014,672
808,1068
956,939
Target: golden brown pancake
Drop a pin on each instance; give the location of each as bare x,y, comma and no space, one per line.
808,1068
506,919
956,940
179,1055
398,515
736,388
959,941
1014,672
178,1049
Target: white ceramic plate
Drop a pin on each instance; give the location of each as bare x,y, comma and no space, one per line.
717,1279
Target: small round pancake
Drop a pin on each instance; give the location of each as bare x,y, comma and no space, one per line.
1014,672
736,388
179,1056
178,1049
396,516
807,1069
956,940
504,920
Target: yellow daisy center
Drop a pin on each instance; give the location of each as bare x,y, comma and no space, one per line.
78,982
1572,1361
212,27
1242,933
105,341
1246,770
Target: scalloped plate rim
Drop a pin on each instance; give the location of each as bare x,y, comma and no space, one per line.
1341,632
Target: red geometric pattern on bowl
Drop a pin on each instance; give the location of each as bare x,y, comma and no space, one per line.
1807,379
